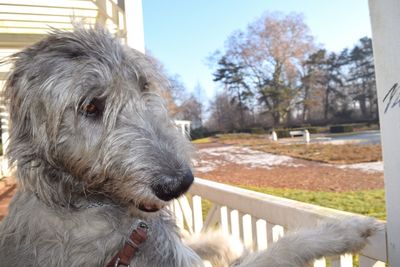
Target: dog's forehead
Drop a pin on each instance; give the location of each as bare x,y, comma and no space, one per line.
95,54
94,43
97,44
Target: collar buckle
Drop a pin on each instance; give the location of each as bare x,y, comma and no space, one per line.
117,264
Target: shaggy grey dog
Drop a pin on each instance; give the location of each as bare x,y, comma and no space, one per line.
95,152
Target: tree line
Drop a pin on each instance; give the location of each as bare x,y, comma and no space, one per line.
273,74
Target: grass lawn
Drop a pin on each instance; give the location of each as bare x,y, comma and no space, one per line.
370,203
335,154
202,140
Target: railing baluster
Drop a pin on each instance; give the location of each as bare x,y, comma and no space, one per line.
320,263
212,217
240,225
171,207
235,223
262,235
225,220
178,215
187,212
335,262
228,210
247,231
270,236
368,262
254,233
277,232
197,214
342,261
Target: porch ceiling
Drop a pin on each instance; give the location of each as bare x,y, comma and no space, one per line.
23,22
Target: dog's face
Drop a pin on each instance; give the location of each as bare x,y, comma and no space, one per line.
83,108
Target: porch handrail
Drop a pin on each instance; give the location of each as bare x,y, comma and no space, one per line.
259,219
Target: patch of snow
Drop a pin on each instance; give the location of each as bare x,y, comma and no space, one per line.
206,168
239,155
366,167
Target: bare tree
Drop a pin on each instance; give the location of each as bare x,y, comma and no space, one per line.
174,92
265,60
191,109
224,114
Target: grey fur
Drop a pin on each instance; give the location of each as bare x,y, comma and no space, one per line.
121,157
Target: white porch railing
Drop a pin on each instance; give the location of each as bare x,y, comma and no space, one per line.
259,219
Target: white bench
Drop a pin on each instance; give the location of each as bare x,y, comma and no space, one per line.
305,134
296,133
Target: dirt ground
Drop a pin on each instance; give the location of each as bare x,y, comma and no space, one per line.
293,173
244,166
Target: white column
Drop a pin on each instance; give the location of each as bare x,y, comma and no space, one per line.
385,20
274,136
134,24
3,119
4,134
183,128
188,128
307,136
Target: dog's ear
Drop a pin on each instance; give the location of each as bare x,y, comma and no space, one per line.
26,124
24,108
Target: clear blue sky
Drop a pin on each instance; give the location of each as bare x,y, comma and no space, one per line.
183,33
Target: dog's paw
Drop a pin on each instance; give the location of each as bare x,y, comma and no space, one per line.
352,233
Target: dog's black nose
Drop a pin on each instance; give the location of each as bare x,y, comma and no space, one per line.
168,187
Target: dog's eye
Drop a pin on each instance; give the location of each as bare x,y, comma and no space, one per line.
92,108
89,109
145,87
144,84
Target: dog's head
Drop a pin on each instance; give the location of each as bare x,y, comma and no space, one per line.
86,119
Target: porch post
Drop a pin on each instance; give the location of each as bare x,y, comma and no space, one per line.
4,171
134,24
385,20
